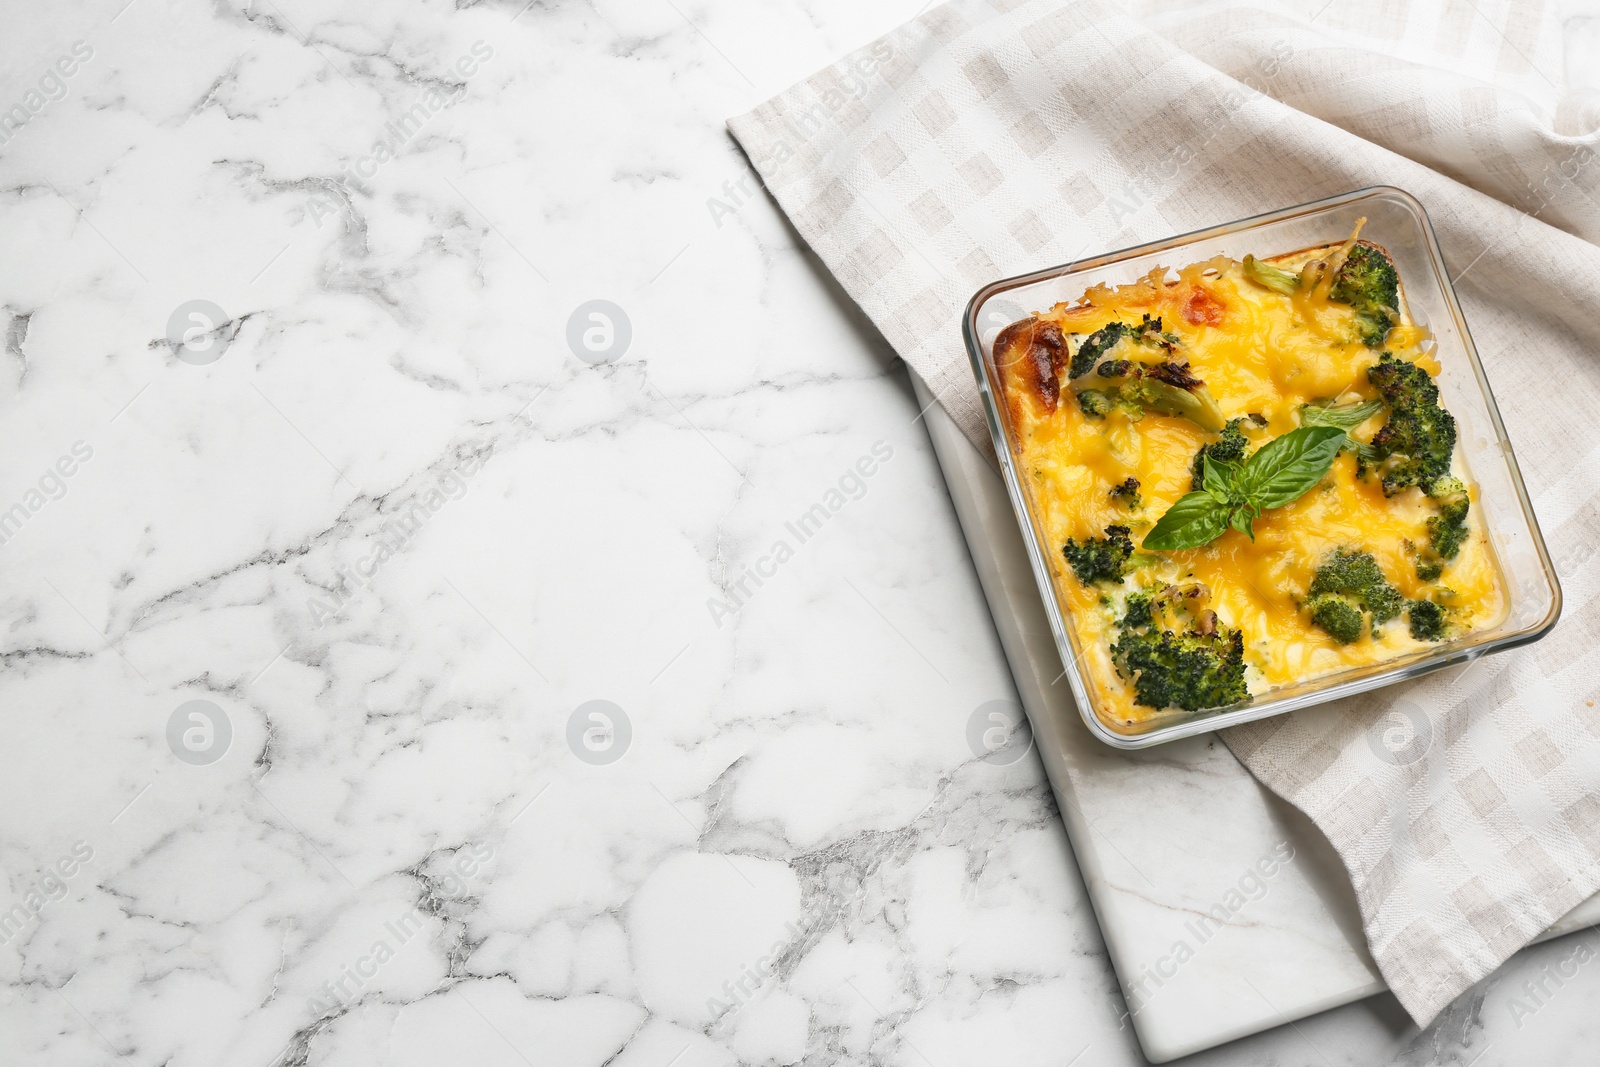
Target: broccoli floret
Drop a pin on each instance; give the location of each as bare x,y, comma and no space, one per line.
1127,492
1357,574
1100,343
1094,346
1190,671
1229,448
1429,569
1094,402
1350,582
1448,529
1275,278
1138,612
1168,387
1198,667
1100,559
1428,621
1339,615
1417,442
1134,387
1367,282
1150,334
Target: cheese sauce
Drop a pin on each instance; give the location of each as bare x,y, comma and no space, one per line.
1263,353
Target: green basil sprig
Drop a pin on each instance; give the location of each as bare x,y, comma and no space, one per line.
1233,494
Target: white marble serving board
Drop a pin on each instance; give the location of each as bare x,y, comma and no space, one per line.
1172,840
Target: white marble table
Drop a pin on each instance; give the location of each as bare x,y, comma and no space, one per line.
396,535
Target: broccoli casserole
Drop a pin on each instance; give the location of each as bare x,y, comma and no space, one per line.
1246,478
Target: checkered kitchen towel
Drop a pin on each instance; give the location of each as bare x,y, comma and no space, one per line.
988,138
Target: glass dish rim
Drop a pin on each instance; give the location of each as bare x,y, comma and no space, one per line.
1445,657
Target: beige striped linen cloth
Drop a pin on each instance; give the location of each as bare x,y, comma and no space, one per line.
990,137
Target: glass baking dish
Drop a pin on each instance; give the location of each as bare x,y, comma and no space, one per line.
1397,222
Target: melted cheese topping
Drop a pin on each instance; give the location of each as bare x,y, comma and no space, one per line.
1258,352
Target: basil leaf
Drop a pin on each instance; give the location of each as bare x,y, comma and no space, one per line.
1220,480
1345,418
1196,519
1243,520
1287,467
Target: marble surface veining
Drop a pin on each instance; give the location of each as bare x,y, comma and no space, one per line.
403,665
